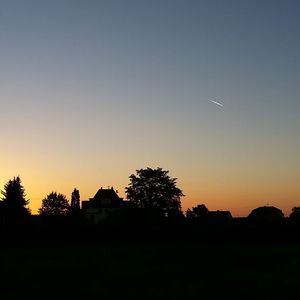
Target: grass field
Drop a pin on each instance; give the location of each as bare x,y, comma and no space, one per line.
150,270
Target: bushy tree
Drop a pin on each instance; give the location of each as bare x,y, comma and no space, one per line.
14,200
154,189
295,214
266,214
55,204
199,212
75,201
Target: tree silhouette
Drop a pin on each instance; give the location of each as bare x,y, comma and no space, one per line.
295,214
55,204
199,212
154,189
14,200
75,202
266,214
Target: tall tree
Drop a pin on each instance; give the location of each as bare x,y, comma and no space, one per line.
154,189
14,200
55,204
75,201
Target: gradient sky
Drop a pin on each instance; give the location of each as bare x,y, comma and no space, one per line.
92,90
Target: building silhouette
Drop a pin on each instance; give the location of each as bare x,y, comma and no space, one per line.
102,206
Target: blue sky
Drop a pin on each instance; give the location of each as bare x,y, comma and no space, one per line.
101,88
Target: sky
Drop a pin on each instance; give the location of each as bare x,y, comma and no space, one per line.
91,91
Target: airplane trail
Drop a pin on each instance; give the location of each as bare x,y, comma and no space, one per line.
218,103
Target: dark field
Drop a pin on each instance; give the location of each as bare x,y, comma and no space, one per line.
151,270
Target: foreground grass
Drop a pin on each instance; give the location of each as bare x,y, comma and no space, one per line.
150,270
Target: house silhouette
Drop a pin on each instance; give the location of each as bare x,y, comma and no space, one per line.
104,204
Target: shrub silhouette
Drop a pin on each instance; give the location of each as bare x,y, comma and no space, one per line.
266,214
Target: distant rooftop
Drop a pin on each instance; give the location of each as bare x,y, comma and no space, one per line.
104,198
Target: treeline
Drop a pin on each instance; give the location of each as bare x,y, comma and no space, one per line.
154,209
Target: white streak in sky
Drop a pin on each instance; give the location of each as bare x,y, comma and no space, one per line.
220,104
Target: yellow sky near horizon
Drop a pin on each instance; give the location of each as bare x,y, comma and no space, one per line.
225,193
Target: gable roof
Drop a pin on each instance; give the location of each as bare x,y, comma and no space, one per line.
106,194
104,198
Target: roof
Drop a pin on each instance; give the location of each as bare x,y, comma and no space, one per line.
103,198
106,194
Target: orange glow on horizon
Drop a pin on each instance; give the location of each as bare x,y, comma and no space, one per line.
239,198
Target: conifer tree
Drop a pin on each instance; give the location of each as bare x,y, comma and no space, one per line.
75,201
14,200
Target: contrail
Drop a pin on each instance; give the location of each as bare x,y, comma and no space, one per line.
220,104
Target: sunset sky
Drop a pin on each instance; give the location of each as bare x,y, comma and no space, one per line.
92,90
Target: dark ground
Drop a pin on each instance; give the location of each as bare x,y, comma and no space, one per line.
150,270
